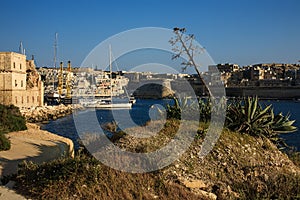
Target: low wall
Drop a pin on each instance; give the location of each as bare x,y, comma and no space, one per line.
265,92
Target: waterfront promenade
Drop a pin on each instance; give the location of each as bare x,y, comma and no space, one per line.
33,145
30,145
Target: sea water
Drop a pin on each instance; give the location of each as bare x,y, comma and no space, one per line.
144,110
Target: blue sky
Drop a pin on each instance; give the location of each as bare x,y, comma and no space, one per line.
237,31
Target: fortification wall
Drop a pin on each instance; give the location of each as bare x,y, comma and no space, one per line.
22,98
265,92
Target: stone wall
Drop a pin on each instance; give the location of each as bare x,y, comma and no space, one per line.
20,83
265,92
14,62
22,98
12,81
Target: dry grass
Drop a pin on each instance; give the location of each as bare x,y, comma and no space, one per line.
239,167
295,157
85,178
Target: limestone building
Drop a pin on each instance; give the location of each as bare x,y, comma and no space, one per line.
20,83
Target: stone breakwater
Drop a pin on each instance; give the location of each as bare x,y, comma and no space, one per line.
46,113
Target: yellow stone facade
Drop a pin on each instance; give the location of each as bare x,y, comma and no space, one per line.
14,87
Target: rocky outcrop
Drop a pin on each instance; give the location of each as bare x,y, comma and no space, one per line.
33,77
46,113
153,91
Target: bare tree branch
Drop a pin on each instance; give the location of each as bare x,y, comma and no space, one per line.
188,48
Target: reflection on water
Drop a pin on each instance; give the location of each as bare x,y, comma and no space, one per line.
141,112
144,110
292,107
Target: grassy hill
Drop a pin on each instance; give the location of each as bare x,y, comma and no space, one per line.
240,166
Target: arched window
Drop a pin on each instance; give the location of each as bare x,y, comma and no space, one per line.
14,65
21,83
16,84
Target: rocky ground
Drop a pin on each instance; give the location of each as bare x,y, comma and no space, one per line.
239,165
46,113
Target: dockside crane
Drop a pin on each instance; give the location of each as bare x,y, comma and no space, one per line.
60,80
68,80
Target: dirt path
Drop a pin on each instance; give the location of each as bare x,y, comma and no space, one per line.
31,145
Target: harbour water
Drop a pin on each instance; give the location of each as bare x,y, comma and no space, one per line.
141,112
144,110
292,107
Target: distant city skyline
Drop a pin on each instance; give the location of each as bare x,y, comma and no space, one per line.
243,32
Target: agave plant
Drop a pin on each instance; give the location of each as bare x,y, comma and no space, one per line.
189,109
248,116
182,108
205,109
280,124
173,111
283,124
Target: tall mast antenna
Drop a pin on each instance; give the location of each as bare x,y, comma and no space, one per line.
110,70
54,59
55,50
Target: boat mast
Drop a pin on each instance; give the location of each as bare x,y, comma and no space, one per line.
110,71
54,59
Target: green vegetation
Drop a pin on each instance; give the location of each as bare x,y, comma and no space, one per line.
4,142
182,107
10,120
247,116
